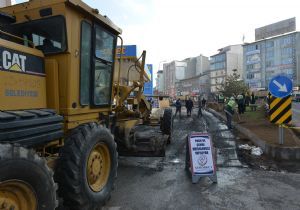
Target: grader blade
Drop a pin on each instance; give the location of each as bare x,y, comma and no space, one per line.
149,141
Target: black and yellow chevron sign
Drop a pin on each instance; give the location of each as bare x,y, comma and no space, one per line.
280,110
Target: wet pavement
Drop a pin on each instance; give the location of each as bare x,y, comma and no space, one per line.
162,183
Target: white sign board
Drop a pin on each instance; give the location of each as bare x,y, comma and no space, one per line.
201,157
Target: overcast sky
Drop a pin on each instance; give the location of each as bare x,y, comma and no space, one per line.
177,29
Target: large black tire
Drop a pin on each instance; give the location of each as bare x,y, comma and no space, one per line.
18,163
167,122
71,172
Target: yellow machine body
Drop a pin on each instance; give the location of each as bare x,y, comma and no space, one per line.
59,86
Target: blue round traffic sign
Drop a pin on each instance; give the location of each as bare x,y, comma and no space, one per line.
280,86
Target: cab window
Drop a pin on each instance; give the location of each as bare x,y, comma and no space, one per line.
103,66
85,62
44,38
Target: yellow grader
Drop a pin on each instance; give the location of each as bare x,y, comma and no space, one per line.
57,118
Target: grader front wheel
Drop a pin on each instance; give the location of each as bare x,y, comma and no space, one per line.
98,167
87,167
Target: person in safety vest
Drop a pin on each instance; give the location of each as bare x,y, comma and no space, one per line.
229,111
221,99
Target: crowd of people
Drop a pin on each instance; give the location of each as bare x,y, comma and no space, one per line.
241,101
234,104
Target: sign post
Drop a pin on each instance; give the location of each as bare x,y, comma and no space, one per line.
280,112
200,155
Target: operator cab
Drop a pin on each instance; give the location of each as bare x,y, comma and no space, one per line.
77,41
41,34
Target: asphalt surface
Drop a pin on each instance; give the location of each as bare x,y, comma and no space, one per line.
162,183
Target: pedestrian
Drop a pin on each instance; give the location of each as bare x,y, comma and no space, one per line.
229,111
178,107
252,102
221,99
203,103
199,108
240,101
189,106
244,103
247,99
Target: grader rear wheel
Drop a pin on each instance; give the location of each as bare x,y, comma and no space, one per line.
26,182
17,195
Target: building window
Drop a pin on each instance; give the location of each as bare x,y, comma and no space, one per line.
250,76
269,63
287,61
218,58
257,76
256,66
253,58
250,67
270,44
286,41
253,66
270,54
250,48
286,52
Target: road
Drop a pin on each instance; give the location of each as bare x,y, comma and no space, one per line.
296,113
162,183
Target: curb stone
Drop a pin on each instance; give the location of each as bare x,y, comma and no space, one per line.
276,152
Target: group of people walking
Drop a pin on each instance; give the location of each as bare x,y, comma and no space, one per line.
189,104
240,101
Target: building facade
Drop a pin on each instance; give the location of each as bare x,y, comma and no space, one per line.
173,72
223,64
278,55
160,82
194,86
196,81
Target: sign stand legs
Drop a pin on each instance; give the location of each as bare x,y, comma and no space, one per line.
281,134
213,178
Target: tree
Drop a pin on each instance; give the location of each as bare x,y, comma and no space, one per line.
233,85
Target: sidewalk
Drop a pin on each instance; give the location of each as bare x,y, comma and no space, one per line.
262,133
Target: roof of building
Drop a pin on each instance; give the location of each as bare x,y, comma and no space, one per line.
225,49
194,77
272,37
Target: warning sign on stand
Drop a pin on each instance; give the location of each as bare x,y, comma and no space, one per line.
200,156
